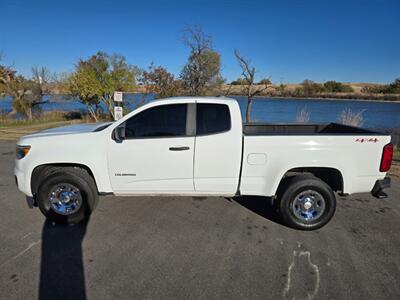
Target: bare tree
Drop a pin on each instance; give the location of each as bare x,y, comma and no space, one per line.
27,94
195,38
203,66
13,85
38,88
250,90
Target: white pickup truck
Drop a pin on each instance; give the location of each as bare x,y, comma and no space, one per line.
200,147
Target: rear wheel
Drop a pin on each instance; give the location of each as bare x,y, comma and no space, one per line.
67,195
307,202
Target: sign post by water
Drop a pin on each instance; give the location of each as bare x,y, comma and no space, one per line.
118,112
118,96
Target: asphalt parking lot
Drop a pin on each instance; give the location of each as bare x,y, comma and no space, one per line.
191,248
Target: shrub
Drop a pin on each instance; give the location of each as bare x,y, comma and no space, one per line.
392,88
311,88
264,81
347,117
374,89
303,115
239,81
337,87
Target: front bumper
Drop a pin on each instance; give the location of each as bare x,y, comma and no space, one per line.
377,190
19,180
18,176
22,182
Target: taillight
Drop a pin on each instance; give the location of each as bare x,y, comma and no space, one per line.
387,156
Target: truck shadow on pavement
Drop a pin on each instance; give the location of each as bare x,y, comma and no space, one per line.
62,273
262,206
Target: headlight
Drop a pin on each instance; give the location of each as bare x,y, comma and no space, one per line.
22,151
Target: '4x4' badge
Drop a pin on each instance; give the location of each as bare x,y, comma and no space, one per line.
367,140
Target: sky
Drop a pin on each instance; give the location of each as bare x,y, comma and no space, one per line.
288,41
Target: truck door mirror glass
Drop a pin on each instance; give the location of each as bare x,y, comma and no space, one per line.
119,133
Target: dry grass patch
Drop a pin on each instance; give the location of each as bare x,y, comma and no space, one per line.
14,131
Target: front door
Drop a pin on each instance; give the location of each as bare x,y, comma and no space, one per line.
156,155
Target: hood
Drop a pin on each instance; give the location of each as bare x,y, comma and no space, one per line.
70,129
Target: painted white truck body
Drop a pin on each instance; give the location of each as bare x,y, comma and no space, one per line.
226,163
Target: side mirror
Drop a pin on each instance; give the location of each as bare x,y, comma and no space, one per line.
119,133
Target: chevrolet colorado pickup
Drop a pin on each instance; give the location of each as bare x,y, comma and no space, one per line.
200,147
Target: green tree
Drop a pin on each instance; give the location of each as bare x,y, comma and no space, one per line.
95,80
203,66
84,85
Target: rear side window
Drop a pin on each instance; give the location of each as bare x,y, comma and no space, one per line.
212,118
159,121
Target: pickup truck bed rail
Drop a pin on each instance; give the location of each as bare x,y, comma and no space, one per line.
254,129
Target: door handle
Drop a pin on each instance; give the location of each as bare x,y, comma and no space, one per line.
181,148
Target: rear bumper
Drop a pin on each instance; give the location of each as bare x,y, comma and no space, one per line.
377,190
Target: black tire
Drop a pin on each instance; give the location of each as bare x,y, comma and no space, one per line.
76,177
295,186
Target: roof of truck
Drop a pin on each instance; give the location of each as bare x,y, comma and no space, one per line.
175,100
186,98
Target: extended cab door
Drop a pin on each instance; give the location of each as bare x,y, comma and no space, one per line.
218,147
156,155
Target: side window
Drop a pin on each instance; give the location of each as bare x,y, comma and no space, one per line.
159,121
212,118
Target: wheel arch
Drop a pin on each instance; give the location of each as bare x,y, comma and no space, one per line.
41,170
331,176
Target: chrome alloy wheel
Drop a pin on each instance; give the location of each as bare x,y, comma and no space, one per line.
65,199
309,205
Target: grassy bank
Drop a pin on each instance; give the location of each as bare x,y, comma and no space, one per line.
13,129
13,132
43,117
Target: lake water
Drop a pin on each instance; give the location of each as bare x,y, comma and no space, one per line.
376,114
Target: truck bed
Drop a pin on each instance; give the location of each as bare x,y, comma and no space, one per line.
256,129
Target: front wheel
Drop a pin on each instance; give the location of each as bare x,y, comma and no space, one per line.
67,195
307,203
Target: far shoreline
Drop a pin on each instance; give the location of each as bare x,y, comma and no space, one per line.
295,98
327,98
56,95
